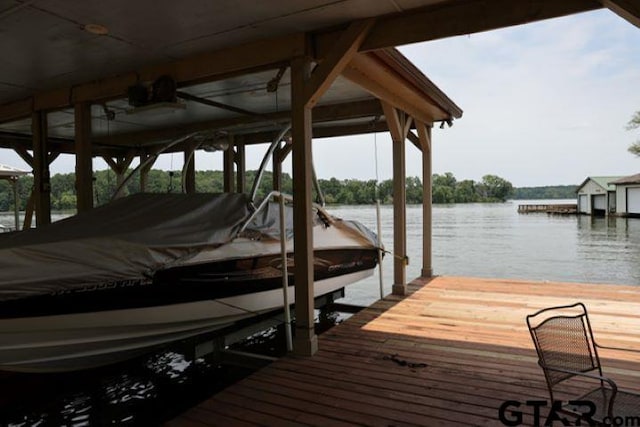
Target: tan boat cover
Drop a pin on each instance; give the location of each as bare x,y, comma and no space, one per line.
128,239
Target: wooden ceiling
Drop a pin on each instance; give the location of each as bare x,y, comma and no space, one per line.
227,52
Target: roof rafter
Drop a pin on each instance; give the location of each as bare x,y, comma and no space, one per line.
627,9
447,19
441,20
320,113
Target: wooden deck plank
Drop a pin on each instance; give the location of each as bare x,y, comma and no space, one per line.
470,333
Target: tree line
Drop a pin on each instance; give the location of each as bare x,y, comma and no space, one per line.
446,188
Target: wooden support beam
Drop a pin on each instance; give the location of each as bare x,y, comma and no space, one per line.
306,341
447,19
440,20
58,146
56,99
29,209
347,110
336,59
424,133
84,158
190,171
16,110
227,159
415,140
41,178
144,170
208,66
219,64
24,154
323,132
120,165
16,202
52,156
407,126
627,9
111,162
383,83
396,123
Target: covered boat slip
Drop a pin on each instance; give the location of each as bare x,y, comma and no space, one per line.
119,82
150,269
450,353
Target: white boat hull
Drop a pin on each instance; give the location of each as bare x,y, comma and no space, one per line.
85,340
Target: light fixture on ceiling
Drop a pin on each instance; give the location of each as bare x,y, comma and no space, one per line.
97,29
161,94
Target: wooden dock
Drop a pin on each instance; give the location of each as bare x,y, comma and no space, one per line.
448,354
559,208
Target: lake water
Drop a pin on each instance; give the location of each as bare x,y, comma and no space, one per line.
494,240
482,240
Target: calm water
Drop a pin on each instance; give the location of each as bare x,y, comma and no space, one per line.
494,240
482,240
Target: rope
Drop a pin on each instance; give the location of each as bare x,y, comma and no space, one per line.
404,258
274,317
401,362
375,148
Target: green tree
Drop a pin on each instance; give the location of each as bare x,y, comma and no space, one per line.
465,192
414,190
634,123
443,188
496,188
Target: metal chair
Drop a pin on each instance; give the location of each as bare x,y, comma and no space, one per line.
566,349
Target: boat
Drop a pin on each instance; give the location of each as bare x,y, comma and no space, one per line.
149,269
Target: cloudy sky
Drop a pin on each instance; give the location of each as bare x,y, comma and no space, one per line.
545,103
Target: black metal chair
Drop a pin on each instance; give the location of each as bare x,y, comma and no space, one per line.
566,349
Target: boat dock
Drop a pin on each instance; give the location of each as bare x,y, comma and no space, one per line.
450,353
563,208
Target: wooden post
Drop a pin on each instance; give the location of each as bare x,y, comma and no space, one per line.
424,133
228,167
16,203
240,158
144,171
28,211
41,178
119,165
306,341
396,123
190,172
84,157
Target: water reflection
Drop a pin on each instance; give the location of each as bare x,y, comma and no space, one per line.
144,391
608,248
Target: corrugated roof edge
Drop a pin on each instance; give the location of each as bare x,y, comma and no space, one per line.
631,179
602,181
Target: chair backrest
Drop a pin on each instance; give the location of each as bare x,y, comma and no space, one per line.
563,339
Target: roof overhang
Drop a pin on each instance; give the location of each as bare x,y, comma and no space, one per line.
215,50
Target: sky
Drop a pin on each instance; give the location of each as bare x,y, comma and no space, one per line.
544,104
